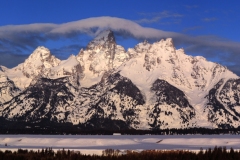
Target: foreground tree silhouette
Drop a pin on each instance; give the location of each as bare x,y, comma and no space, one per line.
218,153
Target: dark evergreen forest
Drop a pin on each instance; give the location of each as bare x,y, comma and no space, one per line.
218,153
48,128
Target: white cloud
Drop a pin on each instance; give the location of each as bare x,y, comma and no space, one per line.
32,35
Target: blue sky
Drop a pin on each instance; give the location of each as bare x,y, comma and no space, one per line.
206,28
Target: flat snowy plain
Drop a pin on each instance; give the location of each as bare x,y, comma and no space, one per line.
95,144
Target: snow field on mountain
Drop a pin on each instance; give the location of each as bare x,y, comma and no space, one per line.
97,143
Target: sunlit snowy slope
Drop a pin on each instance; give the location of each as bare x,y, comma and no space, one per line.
150,86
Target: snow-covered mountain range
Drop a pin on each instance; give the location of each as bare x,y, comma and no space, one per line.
150,86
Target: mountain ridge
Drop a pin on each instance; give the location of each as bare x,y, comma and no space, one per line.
105,81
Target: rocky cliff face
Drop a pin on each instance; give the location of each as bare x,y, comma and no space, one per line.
171,107
150,86
7,89
101,56
223,103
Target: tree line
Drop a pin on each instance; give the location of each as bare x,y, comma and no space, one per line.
218,153
49,127
77,131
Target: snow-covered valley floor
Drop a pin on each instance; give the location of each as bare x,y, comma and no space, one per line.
95,144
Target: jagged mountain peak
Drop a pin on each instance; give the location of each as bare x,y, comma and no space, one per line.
40,59
103,39
141,47
41,53
105,35
169,42
165,43
102,55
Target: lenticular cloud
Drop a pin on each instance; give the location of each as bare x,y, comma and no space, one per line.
91,26
115,24
31,35
38,32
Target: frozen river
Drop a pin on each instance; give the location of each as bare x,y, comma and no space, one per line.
97,143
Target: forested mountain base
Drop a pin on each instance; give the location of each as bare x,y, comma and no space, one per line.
218,153
53,128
